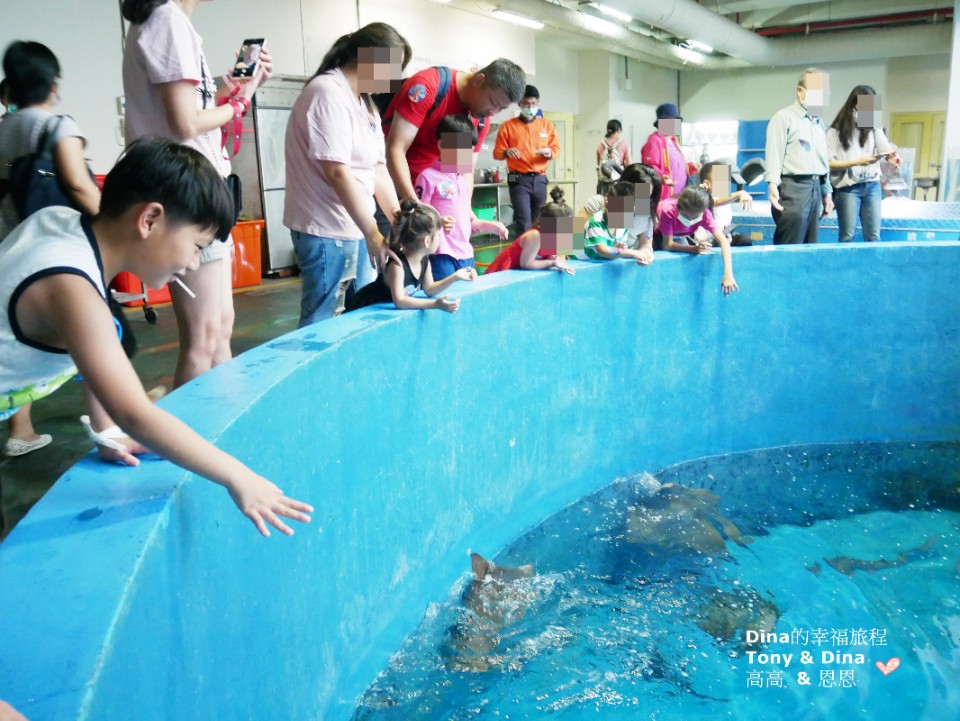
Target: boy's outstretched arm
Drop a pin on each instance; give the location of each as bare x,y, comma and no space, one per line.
78,317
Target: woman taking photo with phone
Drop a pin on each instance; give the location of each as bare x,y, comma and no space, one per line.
170,92
855,144
336,169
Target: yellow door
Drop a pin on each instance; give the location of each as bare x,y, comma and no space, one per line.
564,168
924,132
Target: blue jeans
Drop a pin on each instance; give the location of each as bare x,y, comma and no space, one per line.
443,266
327,267
863,200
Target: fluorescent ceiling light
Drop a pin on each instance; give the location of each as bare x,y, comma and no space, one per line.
691,56
600,26
518,19
616,14
697,45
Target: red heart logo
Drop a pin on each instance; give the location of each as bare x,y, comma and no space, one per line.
889,667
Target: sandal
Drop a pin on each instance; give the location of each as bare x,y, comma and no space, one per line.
17,447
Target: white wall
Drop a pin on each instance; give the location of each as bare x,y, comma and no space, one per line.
757,93
917,84
636,108
559,78
85,36
446,35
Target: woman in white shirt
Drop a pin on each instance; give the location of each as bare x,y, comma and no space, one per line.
336,168
170,92
856,143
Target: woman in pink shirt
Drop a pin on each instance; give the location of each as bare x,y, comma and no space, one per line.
336,169
662,151
680,216
170,93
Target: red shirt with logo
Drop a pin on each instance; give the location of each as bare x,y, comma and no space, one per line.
413,104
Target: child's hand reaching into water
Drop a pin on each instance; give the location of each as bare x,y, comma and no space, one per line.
466,274
262,502
560,264
728,284
447,303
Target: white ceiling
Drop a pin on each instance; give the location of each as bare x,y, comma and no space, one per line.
778,19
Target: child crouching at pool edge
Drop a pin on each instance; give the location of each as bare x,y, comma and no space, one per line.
415,236
543,246
681,216
607,235
161,205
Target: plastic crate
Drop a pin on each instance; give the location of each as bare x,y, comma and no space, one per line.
489,213
246,257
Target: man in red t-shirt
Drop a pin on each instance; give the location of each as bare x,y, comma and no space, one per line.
411,126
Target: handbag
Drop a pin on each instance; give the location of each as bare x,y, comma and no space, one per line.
34,182
235,188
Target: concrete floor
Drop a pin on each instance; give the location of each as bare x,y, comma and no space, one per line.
262,313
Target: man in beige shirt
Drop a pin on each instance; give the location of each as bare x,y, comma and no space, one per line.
797,172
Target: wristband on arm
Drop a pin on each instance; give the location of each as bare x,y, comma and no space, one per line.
106,437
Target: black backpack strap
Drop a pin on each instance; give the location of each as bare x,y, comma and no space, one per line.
45,134
444,77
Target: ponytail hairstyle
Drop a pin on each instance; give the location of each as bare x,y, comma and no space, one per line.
613,126
346,49
643,174
414,221
139,11
693,200
556,208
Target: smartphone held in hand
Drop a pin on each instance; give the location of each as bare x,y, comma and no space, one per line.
248,58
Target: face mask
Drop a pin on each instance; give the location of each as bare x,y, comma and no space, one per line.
689,222
528,112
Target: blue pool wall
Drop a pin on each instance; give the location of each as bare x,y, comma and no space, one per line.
142,593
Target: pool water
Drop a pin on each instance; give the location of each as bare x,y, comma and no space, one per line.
643,596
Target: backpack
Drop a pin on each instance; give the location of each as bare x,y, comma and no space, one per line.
609,169
33,182
383,100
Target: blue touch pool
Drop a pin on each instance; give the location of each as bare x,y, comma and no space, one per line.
661,601
143,593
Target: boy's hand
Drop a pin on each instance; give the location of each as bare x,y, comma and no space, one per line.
466,274
262,502
127,456
447,303
746,200
729,285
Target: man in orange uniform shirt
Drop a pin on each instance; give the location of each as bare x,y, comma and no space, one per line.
528,143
